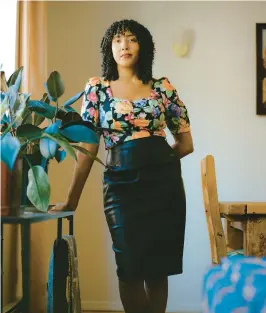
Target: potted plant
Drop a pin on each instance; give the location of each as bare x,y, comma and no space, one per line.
33,132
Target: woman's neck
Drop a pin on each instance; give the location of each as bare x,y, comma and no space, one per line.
127,74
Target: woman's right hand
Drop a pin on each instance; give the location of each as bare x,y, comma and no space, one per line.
61,207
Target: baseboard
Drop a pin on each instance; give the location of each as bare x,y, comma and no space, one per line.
106,306
101,306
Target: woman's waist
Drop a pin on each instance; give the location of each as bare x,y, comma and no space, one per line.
140,152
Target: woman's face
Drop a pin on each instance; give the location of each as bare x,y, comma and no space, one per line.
125,48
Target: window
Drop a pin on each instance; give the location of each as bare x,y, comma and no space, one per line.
8,9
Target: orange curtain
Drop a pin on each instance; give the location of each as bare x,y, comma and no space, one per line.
31,45
31,53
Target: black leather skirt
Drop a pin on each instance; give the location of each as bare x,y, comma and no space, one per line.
145,209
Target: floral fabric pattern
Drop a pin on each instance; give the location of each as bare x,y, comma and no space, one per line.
238,285
123,120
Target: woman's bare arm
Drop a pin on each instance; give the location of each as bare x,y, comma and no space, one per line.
81,172
183,144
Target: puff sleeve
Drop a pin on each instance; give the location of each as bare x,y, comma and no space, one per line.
91,103
176,112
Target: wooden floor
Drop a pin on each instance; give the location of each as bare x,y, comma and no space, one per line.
87,311
114,312
119,312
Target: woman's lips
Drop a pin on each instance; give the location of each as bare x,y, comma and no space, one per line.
125,56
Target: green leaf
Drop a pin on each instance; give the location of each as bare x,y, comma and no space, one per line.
2,96
20,109
37,119
38,190
55,85
12,96
60,155
28,131
70,109
71,117
17,118
25,118
45,98
10,147
60,114
80,133
49,147
42,108
63,143
24,96
4,106
83,150
5,119
12,79
16,105
48,95
35,148
18,79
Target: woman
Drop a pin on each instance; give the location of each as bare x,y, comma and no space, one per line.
144,199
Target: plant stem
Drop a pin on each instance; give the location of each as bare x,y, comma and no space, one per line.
29,140
28,161
10,126
56,110
11,122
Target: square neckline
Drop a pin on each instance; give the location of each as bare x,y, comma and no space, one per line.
135,100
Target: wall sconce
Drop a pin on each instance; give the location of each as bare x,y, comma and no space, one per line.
180,50
182,42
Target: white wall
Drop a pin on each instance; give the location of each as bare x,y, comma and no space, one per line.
217,82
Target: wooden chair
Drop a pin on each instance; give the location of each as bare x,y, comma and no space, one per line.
245,226
215,227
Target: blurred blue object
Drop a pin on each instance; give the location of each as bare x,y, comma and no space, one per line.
237,285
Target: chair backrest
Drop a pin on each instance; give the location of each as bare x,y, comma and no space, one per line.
214,222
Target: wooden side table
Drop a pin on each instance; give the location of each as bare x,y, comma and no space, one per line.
246,226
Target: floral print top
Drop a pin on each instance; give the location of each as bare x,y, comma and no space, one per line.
122,120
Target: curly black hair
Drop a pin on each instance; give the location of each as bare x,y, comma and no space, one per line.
146,53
